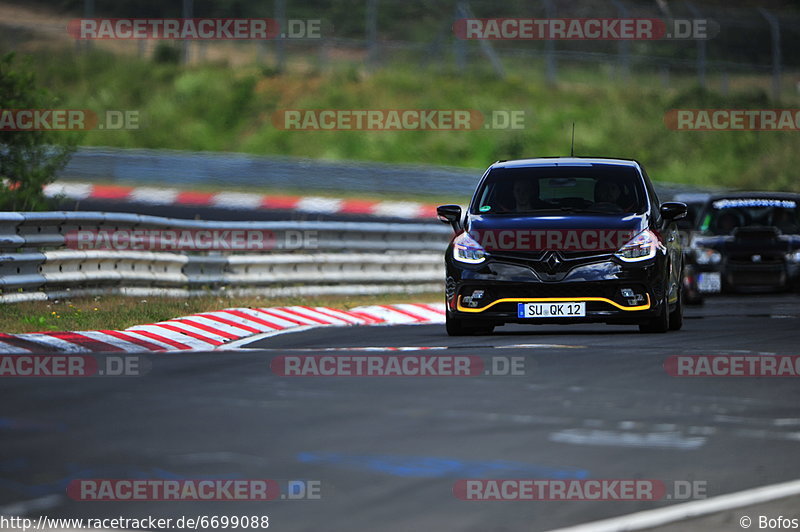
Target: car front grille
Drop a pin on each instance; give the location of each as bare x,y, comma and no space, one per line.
756,274
550,263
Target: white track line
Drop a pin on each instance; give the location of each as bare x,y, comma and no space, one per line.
689,510
25,507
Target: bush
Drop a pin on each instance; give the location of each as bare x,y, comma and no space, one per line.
166,53
28,159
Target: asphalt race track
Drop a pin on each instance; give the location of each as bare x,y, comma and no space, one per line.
594,402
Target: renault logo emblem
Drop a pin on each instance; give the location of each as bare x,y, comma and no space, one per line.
552,261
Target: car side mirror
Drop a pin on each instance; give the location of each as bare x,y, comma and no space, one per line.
450,214
673,210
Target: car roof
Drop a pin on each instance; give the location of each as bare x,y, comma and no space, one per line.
564,161
756,195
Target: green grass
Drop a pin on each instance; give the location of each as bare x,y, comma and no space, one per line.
216,107
119,312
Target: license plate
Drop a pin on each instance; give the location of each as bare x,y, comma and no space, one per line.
709,282
563,309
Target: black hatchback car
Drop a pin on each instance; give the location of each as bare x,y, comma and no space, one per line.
746,242
564,240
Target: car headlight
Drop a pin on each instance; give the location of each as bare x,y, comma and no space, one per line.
707,256
466,249
793,257
641,247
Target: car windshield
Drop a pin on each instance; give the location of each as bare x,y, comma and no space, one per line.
725,215
602,189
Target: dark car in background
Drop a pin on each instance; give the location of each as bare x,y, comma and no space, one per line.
687,226
746,242
564,240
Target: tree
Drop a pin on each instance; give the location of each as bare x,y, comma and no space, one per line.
29,160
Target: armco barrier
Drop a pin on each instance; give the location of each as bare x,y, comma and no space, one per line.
47,229
346,257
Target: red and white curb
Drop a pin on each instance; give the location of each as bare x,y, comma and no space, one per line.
241,200
213,330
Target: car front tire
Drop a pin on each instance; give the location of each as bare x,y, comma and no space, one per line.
676,316
460,327
658,324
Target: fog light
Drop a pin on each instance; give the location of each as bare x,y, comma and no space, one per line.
631,297
467,301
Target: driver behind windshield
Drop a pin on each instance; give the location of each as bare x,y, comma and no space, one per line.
609,193
524,197
526,194
727,222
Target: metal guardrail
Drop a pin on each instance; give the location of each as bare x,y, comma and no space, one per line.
345,256
48,229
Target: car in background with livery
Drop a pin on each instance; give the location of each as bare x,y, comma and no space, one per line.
564,240
746,242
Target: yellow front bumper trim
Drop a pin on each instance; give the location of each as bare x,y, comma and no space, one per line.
551,300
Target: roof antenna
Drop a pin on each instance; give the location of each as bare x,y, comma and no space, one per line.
572,146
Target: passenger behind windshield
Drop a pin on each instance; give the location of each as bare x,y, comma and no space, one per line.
785,220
